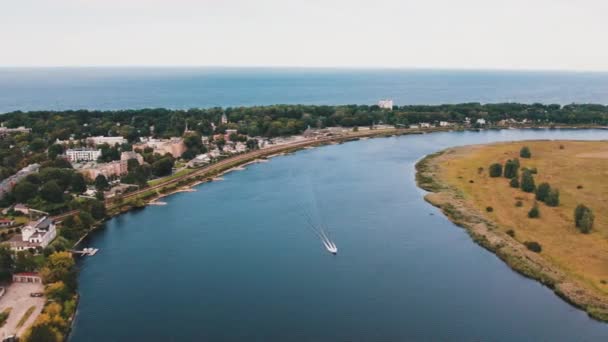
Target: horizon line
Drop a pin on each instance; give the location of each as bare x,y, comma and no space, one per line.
200,66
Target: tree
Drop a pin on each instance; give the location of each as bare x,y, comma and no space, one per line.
533,246
542,191
511,168
24,191
24,262
57,291
54,150
527,182
50,191
583,218
6,263
60,266
534,212
162,167
79,184
552,198
98,210
101,183
496,170
525,152
514,183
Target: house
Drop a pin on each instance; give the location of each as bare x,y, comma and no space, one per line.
22,208
27,277
6,223
201,159
224,119
444,124
82,154
481,121
100,140
425,125
35,234
386,104
229,132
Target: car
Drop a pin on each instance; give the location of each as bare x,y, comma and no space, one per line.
36,294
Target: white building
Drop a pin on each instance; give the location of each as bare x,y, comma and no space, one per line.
481,121
425,125
106,140
224,119
82,154
444,124
35,234
386,104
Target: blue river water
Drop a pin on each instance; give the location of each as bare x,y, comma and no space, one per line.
235,260
131,88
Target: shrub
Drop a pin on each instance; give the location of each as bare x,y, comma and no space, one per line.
480,170
511,168
583,218
496,170
471,181
561,147
519,204
534,212
514,183
542,191
533,246
489,209
579,187
527,182
511,233
525,152
552,199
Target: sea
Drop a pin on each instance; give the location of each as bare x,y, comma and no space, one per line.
105,88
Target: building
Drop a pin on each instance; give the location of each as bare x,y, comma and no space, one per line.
444,124
82,154
6,223
112,169
106,140
230,132
35,234
201,159
27,277
128,155
7,185
6,131
173,146
224,119
22,208
386,104
481,121
425,125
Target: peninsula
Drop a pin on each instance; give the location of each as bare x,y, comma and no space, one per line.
539,205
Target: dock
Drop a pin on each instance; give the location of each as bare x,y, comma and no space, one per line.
86,251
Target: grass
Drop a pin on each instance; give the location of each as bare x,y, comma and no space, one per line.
4,316
585,164
179,173
26,315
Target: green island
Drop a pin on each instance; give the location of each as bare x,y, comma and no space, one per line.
63,173
539,205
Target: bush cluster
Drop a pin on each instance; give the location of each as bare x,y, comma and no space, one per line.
583,218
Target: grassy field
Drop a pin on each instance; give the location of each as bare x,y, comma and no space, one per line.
578,169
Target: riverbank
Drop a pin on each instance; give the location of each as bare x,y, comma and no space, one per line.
457,204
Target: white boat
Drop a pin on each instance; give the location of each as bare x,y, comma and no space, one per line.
331,247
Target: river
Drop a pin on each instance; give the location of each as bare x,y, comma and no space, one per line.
235,260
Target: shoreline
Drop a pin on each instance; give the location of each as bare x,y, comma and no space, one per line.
485,233
194,180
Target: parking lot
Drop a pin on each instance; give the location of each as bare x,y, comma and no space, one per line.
17,297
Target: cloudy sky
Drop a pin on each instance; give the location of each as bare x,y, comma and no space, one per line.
514,34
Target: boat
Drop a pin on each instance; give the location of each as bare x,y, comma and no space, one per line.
331,247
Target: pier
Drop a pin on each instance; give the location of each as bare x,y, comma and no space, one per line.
86,251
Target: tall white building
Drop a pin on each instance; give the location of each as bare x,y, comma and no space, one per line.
386,104
82,154
106,140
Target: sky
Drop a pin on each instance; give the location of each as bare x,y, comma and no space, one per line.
454,34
